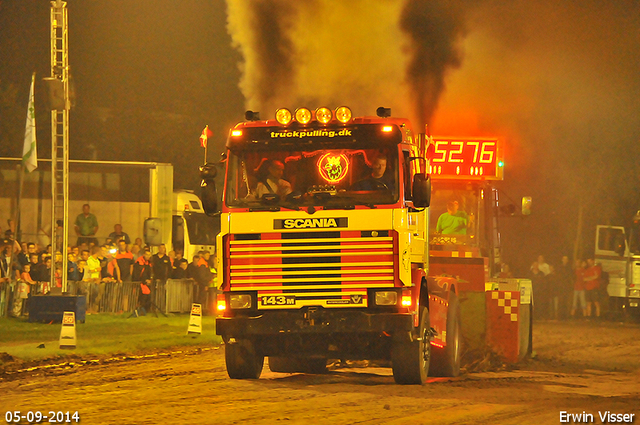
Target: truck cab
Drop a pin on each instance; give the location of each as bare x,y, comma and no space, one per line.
618,253
191,229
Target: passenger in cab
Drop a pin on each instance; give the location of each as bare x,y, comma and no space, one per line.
377,179
453,222
271,181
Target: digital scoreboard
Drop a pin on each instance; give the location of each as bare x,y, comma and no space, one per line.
465,158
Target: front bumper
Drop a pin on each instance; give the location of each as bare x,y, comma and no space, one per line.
321,321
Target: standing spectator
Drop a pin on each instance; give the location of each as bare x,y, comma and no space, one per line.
542,265
26,277
23,289
192,269
125,261
5,260
564,276
110,270
203,277
592,277
180,272
555,292
118,234
72,268
83,272
135,251
578,289
143,273
35,269
86,226
161,264
505,271
540,293
45,271
23,256
93,267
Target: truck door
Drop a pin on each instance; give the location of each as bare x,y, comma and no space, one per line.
177,235
416,219
612,252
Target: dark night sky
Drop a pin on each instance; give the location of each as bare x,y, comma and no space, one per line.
558,81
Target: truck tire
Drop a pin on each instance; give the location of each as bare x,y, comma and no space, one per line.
313,365
446,361
410,359
242,359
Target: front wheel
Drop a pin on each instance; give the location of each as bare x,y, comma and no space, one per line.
242,359
410,359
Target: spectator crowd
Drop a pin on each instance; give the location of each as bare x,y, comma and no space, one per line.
91,265
565,290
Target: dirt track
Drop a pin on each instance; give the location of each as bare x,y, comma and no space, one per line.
579,367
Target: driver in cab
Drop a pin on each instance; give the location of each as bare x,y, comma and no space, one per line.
377,180
453,222
273,182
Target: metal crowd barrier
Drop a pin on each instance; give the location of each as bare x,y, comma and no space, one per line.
171,296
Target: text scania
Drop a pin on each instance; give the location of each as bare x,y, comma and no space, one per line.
311,133
310,223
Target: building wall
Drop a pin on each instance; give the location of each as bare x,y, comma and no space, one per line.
117,195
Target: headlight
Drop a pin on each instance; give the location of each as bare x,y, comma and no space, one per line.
343,114
323,115
634,293
238,301
386,298
283,116
303,115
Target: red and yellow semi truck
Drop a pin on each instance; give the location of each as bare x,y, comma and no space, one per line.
324,248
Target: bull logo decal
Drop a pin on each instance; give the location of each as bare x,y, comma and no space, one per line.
333,167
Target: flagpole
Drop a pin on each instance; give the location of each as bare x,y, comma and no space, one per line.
29,155
18,215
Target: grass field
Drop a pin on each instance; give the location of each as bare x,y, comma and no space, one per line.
103,334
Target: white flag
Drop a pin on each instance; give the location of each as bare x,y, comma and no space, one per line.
29,151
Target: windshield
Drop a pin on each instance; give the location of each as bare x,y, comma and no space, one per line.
202,228
340,178
453,213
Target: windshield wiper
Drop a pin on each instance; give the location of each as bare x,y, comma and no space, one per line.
340,207
291,208
350,206
273,208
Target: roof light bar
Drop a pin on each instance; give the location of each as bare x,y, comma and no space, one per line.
323,115
283,116
303,115
343,114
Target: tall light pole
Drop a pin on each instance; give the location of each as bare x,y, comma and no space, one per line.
60,138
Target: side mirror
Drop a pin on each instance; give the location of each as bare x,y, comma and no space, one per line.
421,191
208,194
153,231
526,205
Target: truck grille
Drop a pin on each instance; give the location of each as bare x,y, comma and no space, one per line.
296,269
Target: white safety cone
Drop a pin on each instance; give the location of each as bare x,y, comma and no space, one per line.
195,320
68,331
